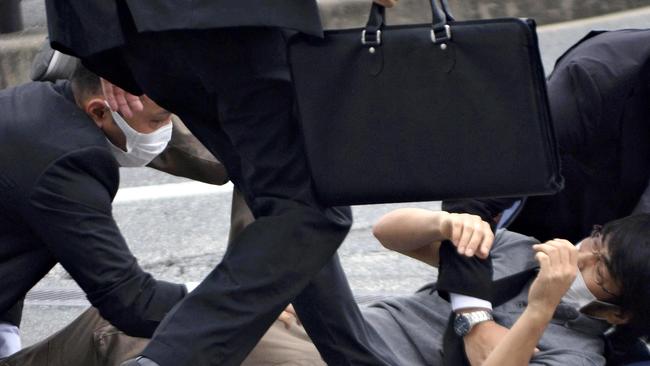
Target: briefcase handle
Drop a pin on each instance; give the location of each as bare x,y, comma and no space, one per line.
440,30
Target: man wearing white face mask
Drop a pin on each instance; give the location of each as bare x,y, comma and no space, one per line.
60,149
555,299
138,148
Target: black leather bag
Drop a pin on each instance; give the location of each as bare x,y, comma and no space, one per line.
425,112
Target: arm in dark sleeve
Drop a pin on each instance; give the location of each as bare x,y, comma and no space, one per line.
14,315
487,208
70,211
576,104
462,275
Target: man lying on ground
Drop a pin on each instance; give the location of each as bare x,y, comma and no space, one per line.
557,300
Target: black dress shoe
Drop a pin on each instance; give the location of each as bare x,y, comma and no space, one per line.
140,361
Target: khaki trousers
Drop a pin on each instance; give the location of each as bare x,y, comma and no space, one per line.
91,341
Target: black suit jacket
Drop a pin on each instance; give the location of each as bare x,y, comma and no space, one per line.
599,94
57,182
96,30
88,27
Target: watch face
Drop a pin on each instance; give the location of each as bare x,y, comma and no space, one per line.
461,325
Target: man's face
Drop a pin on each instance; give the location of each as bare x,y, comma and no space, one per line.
593,262
151,118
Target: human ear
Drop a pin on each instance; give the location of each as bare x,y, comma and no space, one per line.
617,317
98,111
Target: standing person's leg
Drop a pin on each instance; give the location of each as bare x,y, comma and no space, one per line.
233,90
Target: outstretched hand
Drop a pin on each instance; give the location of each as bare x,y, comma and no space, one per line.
120,100
469,233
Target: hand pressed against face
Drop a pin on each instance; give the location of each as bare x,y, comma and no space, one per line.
593,262
151,118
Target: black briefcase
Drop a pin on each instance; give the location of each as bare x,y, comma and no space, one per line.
425,112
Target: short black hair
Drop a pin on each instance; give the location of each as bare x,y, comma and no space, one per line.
85,84
628,242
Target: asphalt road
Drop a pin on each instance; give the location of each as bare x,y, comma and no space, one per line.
180,238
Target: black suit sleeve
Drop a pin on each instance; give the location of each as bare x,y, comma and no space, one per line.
462,275
14,315
70,210
486,208
576,104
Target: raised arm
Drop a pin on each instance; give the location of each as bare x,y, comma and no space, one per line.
418,233
558,261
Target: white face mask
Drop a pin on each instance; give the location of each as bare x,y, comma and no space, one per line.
578,294
141,148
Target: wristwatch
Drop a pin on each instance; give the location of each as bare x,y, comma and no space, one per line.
464,322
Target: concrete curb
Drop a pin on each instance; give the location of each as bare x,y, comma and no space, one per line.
16,53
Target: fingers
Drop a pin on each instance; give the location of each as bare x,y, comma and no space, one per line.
109,93
573,255
120,100
286,318
292,311
133,101
544,261
486,243
125,102
560,251
470,234
557,257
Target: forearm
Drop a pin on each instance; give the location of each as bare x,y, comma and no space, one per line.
138,305
409,229
518,346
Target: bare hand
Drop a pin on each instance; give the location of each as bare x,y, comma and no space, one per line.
558,260
120,100
469,233
387,3
289,316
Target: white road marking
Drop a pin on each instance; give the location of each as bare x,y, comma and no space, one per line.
164,191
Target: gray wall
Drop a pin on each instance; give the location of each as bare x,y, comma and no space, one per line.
545,11
353,13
